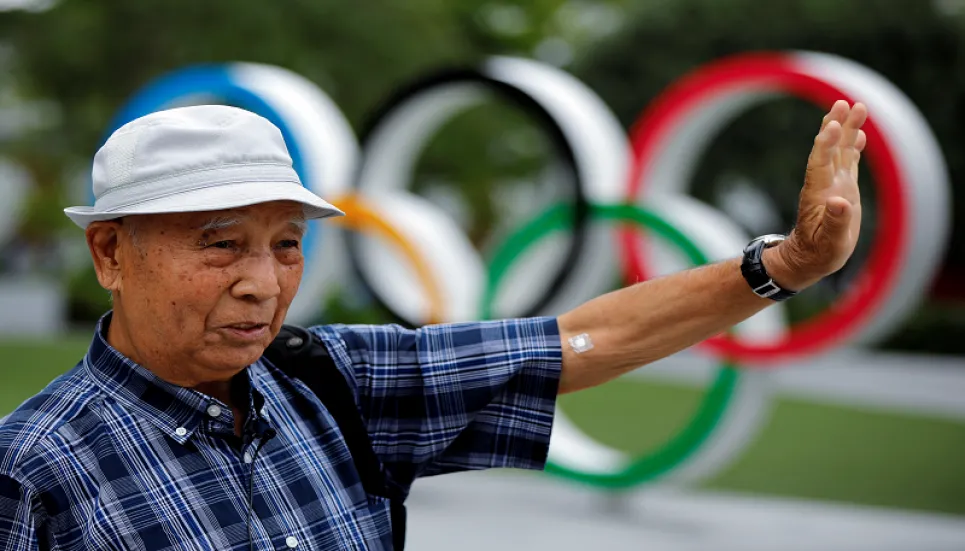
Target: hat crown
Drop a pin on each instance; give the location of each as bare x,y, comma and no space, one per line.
194,159
183,140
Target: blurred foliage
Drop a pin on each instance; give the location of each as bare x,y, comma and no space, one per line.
917,45
86,57
89,56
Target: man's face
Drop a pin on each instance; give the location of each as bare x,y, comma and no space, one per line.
207,292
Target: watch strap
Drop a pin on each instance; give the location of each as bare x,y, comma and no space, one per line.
752,267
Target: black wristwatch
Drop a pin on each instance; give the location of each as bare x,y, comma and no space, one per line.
753,269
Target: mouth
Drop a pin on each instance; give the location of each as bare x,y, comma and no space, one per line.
247,330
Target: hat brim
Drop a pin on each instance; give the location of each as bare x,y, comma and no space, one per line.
227,196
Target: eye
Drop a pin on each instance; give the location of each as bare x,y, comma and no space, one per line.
222,245
288,244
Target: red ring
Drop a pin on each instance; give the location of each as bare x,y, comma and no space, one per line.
779,72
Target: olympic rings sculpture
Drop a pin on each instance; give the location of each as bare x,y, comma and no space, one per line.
423,268
902,153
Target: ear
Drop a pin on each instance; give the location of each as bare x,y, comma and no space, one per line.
103,240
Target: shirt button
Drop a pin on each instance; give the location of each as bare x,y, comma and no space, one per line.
214,410
291,542
180,431
247,457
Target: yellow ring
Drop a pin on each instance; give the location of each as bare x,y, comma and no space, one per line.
363,218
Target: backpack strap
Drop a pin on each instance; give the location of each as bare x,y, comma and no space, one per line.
301,355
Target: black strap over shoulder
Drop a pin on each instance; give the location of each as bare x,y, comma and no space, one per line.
301,355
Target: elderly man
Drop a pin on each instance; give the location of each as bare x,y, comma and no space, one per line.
174,432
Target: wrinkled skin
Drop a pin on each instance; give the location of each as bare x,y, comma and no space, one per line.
194,305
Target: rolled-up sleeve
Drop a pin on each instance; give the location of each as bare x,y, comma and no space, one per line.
18,521
454,397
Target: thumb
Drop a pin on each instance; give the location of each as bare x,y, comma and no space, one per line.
837,220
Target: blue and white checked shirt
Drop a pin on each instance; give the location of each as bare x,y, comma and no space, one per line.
109,456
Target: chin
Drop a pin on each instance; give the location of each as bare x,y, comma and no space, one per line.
235,358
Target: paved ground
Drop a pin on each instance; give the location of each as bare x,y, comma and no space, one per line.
920,384
510,511
486,511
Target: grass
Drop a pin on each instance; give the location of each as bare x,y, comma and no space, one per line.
805,449
27,366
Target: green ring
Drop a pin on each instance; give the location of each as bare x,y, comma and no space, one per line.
718,397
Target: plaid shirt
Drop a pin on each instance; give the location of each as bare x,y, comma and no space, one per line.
109,456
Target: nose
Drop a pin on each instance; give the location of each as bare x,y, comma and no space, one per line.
258,278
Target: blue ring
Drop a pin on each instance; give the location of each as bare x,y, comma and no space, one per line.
216,81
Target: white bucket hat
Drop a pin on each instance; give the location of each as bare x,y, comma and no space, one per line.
199,158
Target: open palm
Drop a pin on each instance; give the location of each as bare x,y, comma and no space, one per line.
829,210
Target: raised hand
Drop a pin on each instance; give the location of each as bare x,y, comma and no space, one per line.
829,210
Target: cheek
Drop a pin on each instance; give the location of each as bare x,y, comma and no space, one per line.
289,279
190,294
201,286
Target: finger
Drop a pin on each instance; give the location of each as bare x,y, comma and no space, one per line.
852,126
860,143
857,116
839,112
836,222
854,167
825,144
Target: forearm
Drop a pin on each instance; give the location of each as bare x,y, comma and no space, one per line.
654,319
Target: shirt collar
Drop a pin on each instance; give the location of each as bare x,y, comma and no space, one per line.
177,411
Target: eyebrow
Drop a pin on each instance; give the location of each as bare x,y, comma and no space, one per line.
219,223
223,222
299,224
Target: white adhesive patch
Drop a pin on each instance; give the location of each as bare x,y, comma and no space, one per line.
581,343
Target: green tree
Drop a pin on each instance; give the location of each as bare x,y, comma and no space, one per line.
87,57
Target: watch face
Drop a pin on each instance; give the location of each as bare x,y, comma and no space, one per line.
772,239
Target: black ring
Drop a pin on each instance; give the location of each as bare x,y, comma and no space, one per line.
543,118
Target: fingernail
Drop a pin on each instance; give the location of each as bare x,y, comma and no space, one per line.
835,209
